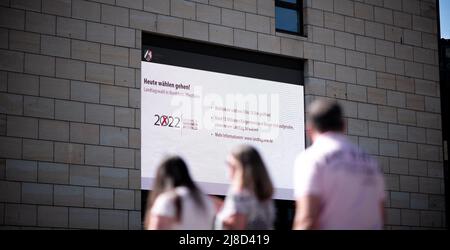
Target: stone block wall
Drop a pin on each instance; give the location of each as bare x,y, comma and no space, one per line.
70,97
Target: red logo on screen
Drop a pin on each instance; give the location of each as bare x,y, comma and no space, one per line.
164,120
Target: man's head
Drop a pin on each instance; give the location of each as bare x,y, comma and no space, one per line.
324,116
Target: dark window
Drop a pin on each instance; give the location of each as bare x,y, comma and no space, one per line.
288,16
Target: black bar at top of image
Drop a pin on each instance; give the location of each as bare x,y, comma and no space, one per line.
222,59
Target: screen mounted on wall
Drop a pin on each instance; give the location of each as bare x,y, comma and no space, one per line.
201,113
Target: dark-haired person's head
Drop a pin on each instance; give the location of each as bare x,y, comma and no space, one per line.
170,174
248,169
324,116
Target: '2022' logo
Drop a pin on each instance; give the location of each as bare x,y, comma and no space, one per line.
167,121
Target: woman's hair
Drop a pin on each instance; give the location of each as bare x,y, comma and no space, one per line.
172,173
256,177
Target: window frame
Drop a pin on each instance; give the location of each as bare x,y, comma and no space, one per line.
298,7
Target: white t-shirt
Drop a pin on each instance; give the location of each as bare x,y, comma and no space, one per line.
192,217
260,214
348,181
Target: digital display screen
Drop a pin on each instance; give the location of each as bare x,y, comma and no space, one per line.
201,115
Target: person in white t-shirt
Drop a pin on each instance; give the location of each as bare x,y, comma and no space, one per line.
337,185
249,204
176,202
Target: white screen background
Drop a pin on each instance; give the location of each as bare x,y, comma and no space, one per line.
205,154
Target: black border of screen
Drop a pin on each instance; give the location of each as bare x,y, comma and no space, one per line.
222,59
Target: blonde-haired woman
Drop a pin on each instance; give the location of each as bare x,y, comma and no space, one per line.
249,203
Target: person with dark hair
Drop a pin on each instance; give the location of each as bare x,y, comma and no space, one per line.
337,185
176,202
249,203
